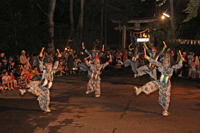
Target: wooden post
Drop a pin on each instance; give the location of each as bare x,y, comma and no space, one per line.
124,36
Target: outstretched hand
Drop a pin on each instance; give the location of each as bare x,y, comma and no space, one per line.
83,47
41,52
59,54
164,44
103,48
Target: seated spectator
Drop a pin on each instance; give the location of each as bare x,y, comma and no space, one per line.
75,67
66,69
119,63
12,79
59,71
1,68
5,81
35,75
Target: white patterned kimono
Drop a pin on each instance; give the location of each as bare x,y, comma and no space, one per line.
149,68
48,72
42,93
163,85
133,62
94,82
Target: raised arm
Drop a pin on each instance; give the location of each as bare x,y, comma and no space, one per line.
129,47
161,52
105,64
180,64
146,49
152,61
41,66
86,51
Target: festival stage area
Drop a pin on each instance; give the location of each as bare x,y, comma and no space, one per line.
118,110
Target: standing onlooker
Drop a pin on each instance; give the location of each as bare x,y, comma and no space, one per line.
11,67
70,61
184,69
172,59
190,59
2,57
22,58
197,61
28,63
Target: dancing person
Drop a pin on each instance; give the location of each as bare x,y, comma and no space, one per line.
94,82
149,68
163,85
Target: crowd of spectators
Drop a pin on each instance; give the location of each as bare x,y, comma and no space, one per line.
18,72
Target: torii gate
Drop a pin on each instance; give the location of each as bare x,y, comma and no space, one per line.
137,23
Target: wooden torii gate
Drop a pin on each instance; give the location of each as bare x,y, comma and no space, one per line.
136,22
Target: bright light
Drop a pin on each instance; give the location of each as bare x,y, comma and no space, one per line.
142,39
163,17
166,15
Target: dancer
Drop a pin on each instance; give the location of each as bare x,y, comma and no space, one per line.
39,89
48,69
94,82
94,52
163,85
83,66
149,68
133,62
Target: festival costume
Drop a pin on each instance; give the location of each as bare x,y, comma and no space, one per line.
83,66
163,85
39,88
48,71
133,62
94,82
149,68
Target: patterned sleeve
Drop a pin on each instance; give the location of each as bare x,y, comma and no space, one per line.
104,65
149,52
87,52
161,52
152,61
178,66
55,66
41,66
88,64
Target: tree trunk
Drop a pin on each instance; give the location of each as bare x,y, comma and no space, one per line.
101,34
105,40
71,16
172,21
81,22
71,21
172,14
51,25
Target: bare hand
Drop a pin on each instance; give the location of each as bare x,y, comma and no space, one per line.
41,52
103,48
83,47
164,44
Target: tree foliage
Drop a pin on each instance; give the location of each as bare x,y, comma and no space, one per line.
192,9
